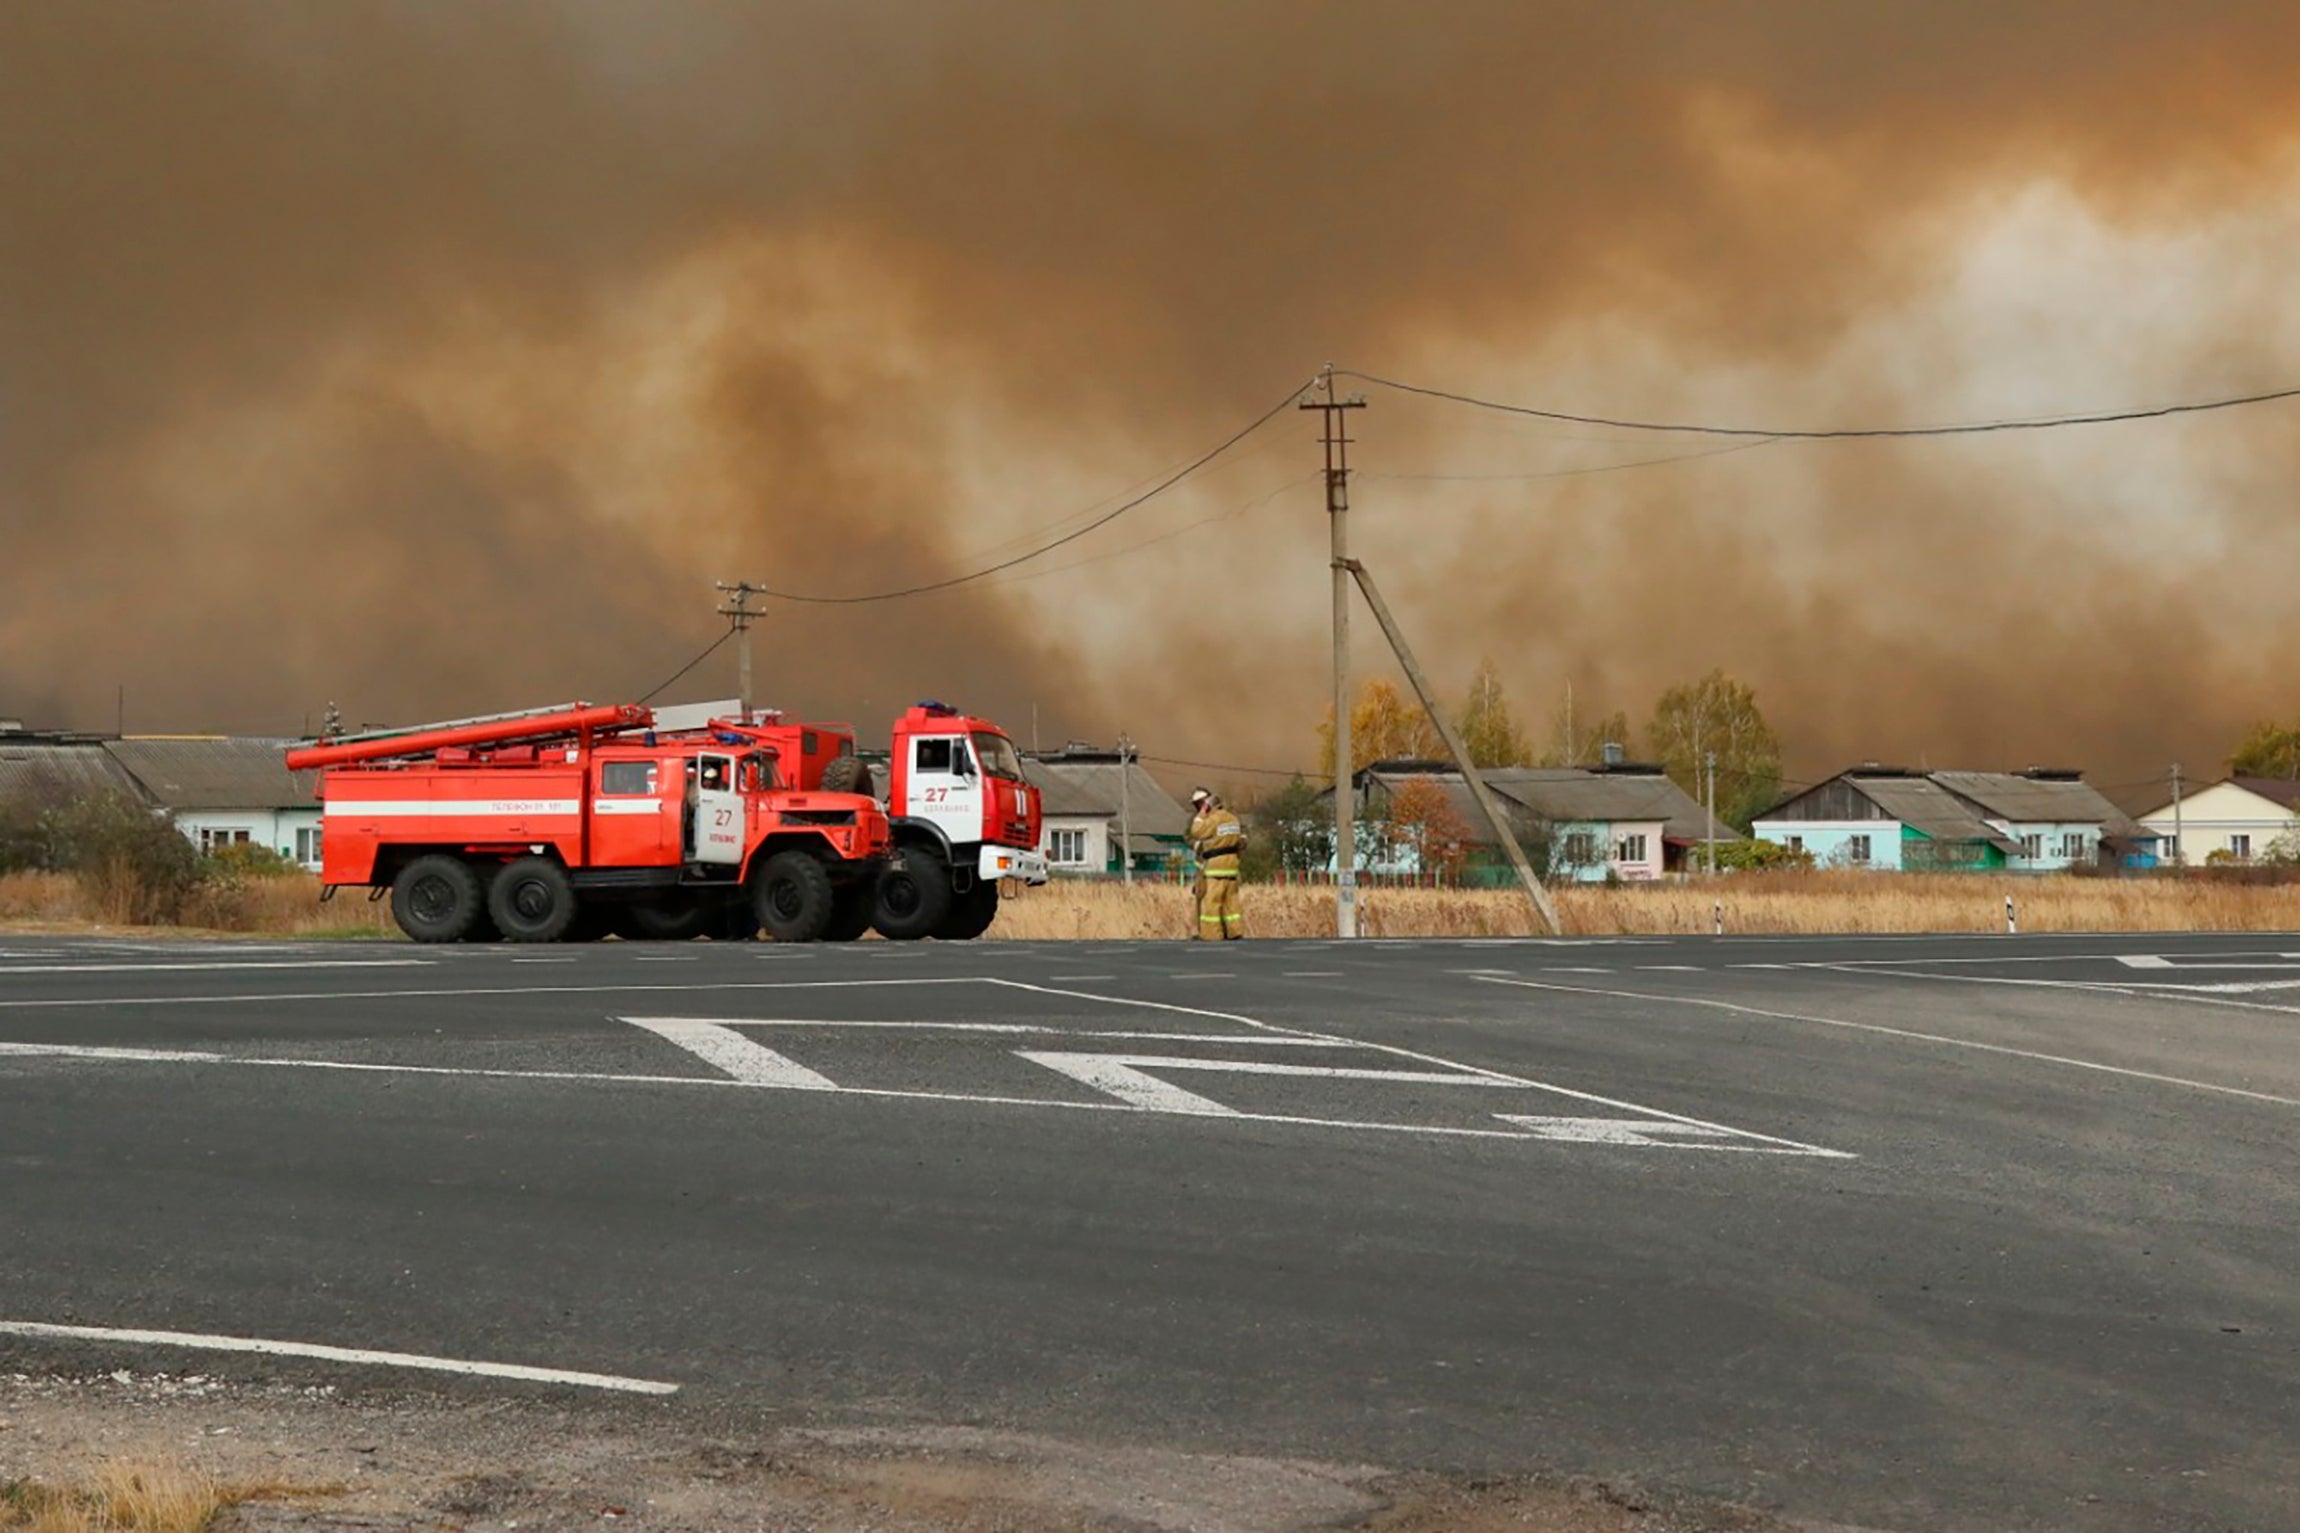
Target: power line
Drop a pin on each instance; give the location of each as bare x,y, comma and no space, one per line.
1963,428
708,650
1103,520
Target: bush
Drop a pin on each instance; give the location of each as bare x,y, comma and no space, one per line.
133,864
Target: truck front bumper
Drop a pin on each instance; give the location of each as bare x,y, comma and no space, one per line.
1006,862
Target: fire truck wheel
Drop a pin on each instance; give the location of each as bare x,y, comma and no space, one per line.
793,898
851,908
436,899
970,913
913,895
849,774
532,901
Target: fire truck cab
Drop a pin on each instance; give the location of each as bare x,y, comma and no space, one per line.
574,822
964,819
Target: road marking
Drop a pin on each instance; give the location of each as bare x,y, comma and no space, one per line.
362,1355
1114,1075
751,1063
261,963
1613,1130
1903,1032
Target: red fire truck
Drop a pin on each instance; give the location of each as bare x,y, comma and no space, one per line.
965,820
573,821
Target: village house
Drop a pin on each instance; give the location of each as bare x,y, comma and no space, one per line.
1895,819
2235,820
1626,821
1100,807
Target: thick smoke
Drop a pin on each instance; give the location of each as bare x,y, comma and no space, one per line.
437,360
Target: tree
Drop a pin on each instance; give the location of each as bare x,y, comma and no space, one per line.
1384,726
2268,749
1293,832
1579,739
1422,820
1717,713
1489,731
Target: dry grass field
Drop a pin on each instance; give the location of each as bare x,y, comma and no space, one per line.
1767,903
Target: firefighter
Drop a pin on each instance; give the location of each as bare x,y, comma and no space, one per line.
1216,839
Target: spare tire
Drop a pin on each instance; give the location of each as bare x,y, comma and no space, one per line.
849,774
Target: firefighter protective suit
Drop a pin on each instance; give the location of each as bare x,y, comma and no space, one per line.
1216,838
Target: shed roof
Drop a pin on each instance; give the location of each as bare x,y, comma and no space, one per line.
215,773
1924,805
1088,785
54,774
2023,799
1570,794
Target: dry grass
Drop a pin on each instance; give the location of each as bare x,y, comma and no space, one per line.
1755,903
279,906
119,1498
1785,903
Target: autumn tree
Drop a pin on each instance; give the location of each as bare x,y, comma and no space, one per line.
1717,713
1385,725
1422,819
2268,749
1489,731
1578,739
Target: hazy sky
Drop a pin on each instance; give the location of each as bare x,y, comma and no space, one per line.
436,359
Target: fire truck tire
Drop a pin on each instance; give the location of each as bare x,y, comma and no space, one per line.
532,901
913,895
852,906
849,774
793,897
668,918
970,913
436,899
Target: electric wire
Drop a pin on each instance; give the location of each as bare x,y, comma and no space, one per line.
1776,433
708,650
1104,520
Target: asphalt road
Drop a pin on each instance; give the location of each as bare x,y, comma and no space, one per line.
1918,1233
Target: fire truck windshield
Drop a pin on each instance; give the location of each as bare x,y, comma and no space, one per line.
997,755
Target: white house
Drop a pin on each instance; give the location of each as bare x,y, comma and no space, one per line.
2241,817
227,791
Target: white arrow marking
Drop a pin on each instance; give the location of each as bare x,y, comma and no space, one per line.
752,1064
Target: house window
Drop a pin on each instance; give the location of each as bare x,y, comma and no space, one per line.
2240,846
307,845
1857,848
1580,849
2072,845
1630,848
2032,846
1067,847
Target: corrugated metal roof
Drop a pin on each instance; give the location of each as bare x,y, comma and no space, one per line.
2021,799
54,774
1924,805
236,773
1090,787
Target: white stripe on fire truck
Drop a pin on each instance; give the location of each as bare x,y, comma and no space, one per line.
454,808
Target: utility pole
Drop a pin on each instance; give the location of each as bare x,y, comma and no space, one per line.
1126,809
1336,440
2179,843
738,611
1709,761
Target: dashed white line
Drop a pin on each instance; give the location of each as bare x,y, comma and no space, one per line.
205,1343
